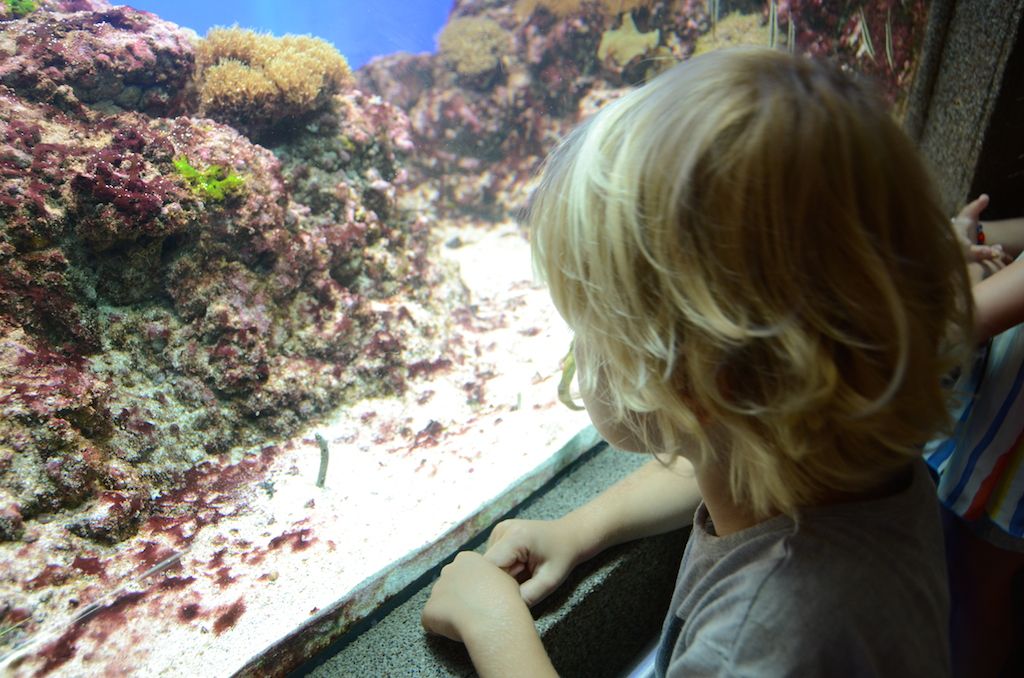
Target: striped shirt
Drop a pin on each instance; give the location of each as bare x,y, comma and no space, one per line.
981,466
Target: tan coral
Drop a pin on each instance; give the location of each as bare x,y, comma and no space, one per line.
255,81
563,8
625,43
733,30
232,86
473,45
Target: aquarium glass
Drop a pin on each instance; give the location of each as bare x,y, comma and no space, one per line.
270,342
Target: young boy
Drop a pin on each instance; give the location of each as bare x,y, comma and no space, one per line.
764,292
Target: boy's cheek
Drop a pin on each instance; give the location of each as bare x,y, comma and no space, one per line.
619,437
601,413
609,426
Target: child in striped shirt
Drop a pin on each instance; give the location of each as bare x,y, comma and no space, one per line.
981,465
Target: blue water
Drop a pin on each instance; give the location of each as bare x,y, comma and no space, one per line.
360,29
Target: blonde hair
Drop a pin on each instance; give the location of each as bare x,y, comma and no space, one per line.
751,240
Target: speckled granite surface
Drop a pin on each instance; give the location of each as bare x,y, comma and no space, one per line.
975,39
595,625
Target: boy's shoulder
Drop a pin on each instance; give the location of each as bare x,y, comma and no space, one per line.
853,587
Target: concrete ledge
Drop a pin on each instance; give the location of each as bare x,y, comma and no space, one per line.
597,624
952,109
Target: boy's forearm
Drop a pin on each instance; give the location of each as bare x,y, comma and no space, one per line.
514,650
652,500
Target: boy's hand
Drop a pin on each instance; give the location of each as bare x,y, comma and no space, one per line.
472,596
538,553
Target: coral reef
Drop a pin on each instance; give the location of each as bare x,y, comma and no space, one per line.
256,82
480,140
170,290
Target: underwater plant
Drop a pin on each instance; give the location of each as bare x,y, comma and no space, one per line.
19,8
255,81
473,45
213,183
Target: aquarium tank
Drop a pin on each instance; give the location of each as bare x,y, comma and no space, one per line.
270,340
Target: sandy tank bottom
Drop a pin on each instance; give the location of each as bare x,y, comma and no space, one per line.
249,552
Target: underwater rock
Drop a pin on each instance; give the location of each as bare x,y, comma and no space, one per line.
112,517
115,57
482,125
55,417
482,122
119,199
12,526
400,79
148,317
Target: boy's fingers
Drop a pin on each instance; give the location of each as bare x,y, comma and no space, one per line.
539,586
497,533
515,569
505,555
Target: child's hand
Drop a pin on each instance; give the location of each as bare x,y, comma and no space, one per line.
967,227
473,596
538,553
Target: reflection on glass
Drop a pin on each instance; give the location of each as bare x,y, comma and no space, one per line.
268,328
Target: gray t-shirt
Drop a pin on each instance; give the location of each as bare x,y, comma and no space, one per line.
855,589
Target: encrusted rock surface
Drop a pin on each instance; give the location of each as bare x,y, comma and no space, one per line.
145,324
94,53
480,138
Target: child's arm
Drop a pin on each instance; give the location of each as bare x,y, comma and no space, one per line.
478,601
478,604
652,500
1006,232
999,301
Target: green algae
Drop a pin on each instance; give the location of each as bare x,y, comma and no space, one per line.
20,8
213,183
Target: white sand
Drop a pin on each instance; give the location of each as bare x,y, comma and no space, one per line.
387,497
